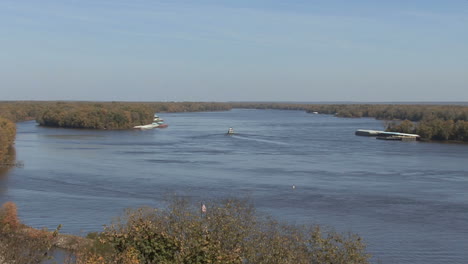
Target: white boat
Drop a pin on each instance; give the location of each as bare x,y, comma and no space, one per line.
149,126
157,122
230,131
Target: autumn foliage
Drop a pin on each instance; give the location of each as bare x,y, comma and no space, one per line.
114,115
9,217
7,137
20,244
228,232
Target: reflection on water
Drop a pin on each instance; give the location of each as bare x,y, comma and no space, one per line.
408,200
67,137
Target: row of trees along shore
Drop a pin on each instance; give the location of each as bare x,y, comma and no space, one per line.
225,232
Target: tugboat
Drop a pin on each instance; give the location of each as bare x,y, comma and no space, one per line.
230,131
160,122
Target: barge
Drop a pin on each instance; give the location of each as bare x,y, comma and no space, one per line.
398,136
387,135
368,133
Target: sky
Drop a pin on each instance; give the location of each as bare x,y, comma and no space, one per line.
237,50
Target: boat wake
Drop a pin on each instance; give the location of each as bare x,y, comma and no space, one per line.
255,138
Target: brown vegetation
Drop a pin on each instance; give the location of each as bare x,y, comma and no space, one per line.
7,137
229,232
95,116
436,129
115,115
20,244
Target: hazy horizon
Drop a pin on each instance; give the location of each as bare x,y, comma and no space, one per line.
258,50
260,102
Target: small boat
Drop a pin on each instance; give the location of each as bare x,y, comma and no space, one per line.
230,131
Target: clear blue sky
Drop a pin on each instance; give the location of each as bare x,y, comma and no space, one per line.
237,50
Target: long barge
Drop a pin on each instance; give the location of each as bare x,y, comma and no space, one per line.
367,133
387,135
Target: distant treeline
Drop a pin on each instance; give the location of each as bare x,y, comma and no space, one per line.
432,122
378,111
18,111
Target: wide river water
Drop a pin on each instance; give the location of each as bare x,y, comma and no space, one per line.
408,200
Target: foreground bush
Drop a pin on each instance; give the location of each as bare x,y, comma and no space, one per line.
20,244
228,232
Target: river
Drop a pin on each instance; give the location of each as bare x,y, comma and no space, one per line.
408,200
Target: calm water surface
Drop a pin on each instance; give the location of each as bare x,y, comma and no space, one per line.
409,200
